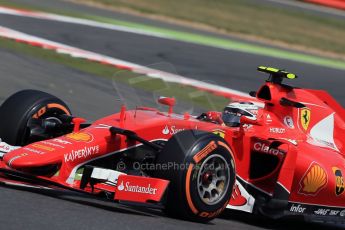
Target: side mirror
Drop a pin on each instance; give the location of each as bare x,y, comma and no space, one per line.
252,93
77,121
169,101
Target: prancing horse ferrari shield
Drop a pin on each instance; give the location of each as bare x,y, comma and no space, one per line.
305,118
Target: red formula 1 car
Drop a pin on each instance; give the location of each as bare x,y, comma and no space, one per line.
284,159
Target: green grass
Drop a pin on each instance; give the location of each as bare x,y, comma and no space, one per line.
201,99
325,61
245,17
28,6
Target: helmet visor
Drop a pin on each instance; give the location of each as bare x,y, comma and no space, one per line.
232,116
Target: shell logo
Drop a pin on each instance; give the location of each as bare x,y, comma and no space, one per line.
39,146
80,137
314,180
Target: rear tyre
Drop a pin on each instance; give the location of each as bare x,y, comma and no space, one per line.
201,171
21,108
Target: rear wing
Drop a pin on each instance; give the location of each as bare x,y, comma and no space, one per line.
329,100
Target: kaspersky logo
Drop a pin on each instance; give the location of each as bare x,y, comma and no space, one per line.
339,181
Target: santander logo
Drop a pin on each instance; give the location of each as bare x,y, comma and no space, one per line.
127,187
140,189
172,130
166,130
121,187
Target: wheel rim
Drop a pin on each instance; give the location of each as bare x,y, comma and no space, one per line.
33,123
213,179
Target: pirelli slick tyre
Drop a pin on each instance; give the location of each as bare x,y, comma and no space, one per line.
201,171
20,108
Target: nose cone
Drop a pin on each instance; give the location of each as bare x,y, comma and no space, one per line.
32,156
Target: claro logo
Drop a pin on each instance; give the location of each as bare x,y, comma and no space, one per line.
264,148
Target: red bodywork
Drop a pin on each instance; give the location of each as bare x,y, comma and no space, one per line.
288,153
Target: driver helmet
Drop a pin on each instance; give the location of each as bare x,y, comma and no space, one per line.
233,112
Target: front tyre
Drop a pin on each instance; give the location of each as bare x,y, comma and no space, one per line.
23,108
201,171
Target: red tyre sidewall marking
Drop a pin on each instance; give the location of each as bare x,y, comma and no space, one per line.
188,196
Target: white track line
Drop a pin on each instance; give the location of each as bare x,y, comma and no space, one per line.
79,21
79,53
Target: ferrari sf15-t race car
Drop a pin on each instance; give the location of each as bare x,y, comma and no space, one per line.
285,158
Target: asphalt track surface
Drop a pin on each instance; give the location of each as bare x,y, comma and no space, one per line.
87,95
37,209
